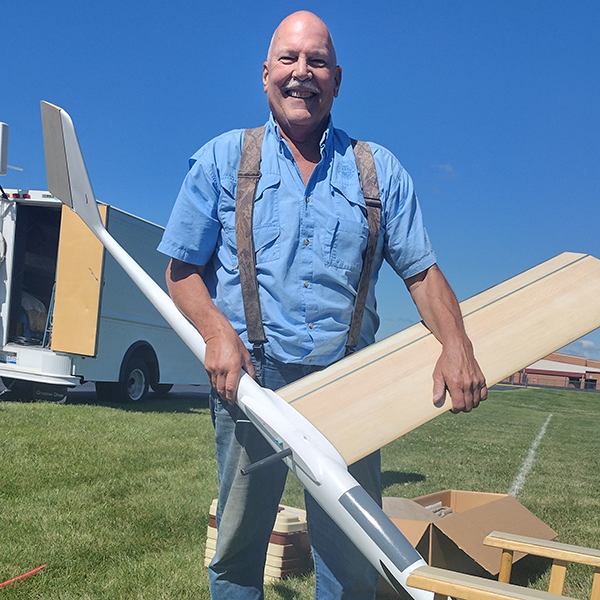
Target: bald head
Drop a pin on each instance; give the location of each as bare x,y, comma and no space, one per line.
301,20
301,76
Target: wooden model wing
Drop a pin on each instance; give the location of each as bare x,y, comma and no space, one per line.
374,396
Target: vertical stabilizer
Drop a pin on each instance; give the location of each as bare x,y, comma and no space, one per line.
65,168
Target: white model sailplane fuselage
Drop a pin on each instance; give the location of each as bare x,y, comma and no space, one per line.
308,453
511,326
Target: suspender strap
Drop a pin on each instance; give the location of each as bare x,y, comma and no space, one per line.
370,189
248,176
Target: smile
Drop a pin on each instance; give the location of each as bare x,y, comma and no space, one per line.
300,94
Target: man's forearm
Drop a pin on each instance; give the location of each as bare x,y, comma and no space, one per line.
437,305
188,290
457,369
226,355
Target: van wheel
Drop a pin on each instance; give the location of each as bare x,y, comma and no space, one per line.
135,381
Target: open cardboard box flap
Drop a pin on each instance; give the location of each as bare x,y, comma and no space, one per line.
456,540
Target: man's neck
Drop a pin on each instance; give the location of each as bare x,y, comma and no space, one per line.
305,147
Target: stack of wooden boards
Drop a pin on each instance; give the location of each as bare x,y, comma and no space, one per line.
289,549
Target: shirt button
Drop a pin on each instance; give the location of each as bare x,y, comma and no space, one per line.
308,359
307,199
306,242
306,284
310,325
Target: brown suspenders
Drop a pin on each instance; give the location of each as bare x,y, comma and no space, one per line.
248,176
370,188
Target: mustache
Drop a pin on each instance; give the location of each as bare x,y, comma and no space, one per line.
304,86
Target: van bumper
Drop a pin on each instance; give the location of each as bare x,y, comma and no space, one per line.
32,363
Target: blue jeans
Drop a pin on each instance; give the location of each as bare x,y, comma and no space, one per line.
248,505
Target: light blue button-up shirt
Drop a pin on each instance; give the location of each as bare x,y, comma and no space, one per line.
309,240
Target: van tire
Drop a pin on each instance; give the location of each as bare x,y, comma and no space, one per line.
135,381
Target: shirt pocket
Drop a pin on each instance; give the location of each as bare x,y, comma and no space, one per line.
267,245
265,218
266,238
266,222
344,243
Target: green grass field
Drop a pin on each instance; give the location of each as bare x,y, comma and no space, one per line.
114,499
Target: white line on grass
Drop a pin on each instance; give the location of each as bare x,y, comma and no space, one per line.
519,481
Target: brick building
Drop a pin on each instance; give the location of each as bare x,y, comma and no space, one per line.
560,370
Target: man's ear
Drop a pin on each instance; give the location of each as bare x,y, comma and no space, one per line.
265,76
337,79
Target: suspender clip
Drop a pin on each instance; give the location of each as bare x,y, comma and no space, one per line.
258,349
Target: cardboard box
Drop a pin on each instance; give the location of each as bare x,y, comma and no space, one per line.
455,541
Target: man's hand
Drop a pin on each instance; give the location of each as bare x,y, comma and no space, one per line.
226,355
457,370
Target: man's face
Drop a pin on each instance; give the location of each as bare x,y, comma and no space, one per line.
300,76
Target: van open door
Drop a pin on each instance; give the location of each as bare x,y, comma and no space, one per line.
79,275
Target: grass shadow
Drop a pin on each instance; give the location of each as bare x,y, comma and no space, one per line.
284,592
293,587
182,399
390,478
529,570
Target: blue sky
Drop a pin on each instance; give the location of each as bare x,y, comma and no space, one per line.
492,106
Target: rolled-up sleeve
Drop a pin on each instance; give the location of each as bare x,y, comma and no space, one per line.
406,244
192,231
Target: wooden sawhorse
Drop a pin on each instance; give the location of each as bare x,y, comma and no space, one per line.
561,555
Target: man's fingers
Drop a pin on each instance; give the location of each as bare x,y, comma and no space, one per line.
218,382
439,389
483,392
462,379
231,385
226,384
478,389
248,366
225,358
460,401
465,399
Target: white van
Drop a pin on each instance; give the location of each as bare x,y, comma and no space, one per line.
69,314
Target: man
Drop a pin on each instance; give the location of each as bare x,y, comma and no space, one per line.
310,235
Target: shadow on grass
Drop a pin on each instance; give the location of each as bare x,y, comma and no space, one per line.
529,569
298,586
182,399
390,478
525,572
285,592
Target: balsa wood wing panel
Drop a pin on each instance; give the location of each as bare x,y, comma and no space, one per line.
369,399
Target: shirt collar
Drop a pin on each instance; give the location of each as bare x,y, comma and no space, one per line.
271,124
325,144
